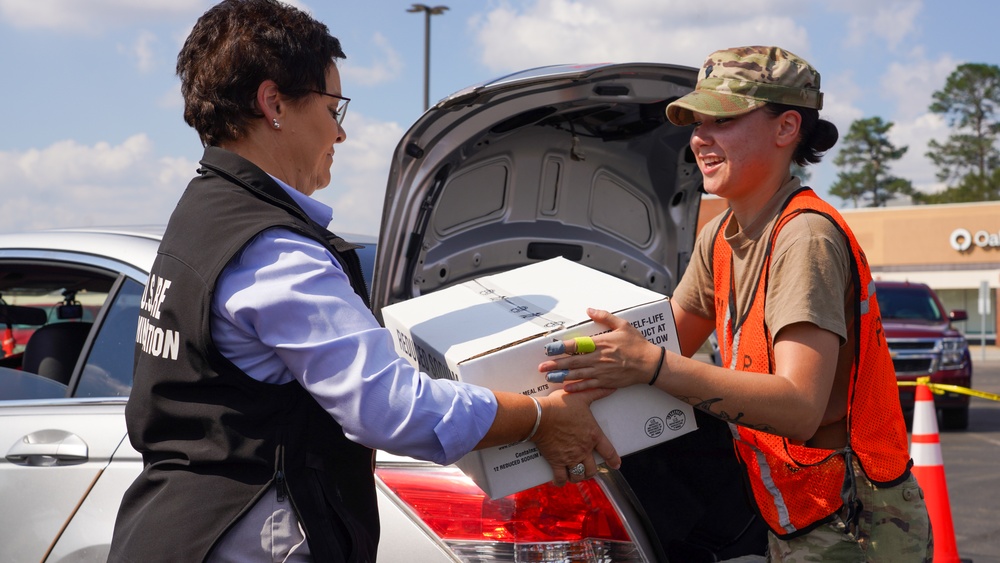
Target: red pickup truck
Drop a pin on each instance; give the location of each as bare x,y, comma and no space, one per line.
923,342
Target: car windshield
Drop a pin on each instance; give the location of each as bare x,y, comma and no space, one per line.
908,303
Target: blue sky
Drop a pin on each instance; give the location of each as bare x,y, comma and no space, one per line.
91,131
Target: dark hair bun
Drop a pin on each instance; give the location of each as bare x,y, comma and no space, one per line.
824,136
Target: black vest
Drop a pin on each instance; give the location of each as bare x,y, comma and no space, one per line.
212,438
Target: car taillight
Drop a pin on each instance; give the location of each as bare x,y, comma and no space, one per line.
576,522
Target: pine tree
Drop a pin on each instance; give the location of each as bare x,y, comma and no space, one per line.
865,158
968,161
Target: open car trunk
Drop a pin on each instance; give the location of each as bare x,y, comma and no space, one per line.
578,162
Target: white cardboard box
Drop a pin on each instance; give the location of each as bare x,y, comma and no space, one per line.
491,332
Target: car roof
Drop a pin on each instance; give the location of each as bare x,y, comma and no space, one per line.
894,284
135,246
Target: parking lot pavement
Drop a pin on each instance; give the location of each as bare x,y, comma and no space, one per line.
970,465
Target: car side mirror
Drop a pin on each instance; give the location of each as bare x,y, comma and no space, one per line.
958,315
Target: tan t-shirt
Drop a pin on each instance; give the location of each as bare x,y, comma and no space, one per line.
810,270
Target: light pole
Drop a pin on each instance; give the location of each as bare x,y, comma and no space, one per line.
428,12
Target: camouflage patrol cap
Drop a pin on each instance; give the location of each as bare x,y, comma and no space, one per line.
739,80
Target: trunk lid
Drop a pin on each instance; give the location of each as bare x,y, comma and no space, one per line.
576,161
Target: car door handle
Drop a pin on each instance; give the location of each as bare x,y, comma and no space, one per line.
47,448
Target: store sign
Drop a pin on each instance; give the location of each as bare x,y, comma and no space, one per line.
962,240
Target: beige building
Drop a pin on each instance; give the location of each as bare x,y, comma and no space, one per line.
954,248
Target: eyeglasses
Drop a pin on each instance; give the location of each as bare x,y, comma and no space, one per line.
341,109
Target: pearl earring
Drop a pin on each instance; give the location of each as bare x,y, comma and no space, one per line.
275,123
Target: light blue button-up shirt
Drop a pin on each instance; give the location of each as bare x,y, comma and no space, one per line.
283,309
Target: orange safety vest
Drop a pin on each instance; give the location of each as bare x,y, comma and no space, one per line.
796,488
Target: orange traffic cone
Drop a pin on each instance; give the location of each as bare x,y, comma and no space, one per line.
928,467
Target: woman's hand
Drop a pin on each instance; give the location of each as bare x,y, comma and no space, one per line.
621,358
568,435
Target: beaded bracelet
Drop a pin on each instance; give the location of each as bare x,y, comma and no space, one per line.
663,353
538,421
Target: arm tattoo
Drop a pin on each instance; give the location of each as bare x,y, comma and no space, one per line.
706,406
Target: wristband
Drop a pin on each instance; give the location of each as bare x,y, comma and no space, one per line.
538,421
659,366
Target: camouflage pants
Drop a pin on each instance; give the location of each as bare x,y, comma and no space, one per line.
893,526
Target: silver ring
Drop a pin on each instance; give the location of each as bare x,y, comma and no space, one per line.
578,469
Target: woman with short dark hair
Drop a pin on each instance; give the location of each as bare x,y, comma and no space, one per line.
262,379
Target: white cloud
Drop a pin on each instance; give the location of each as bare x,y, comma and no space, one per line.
384,70
141,51
841,94
910,83
95,16
71,184
360,171
915,134
891,22
680,32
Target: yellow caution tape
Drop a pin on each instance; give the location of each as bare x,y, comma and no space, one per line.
942,388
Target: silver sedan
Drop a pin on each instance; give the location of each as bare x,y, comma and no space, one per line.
67,459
